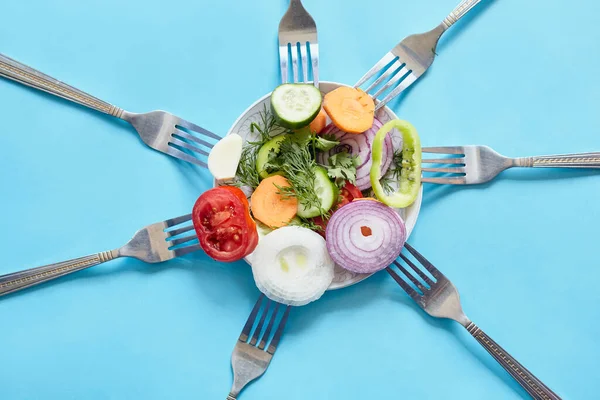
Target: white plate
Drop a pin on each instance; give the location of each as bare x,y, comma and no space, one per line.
241,126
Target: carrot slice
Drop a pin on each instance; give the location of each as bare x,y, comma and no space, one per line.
350,109
269,206
319,123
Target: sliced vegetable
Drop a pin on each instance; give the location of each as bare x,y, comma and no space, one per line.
321,223
296,161
347,194
350,109
410,176
262,231
225,156
295,105
237,192
223,224
359,145
272,207
326,192
291,266
262,157
365,236
319,123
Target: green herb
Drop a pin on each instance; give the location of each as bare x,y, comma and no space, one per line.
386,183
306,223
298,165
325,142
342,168
303,136
266,128
246,174
393,174
274,162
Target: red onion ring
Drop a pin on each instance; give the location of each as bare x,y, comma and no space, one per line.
359,144
365,236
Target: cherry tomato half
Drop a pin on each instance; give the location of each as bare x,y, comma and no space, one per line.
347,194
222,220
320,221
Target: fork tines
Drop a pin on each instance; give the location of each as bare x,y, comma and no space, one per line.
175,231
308,51
273,316
455,171
394,77
188,142
298,37
414,280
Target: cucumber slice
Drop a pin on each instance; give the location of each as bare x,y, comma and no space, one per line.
295,105
263,155
327,192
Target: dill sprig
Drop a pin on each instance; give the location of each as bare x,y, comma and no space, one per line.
247,174
266,127
306,223
298,165
394,172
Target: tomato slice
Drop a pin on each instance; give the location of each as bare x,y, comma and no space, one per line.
237,192
222,220
253,241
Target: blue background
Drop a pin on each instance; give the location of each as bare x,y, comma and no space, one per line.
518,76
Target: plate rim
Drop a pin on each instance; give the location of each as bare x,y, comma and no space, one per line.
418,202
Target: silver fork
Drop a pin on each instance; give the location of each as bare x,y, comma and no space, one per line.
160,130
439,298
153,244
252,354
409,59
298,29
480,164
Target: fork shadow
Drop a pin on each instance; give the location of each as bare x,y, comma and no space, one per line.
434,192
465,340
336,301
205,271
459,29
116,122
194,176
396,101
446,40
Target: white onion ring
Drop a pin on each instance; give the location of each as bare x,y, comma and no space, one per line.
351,249
303,281
359,144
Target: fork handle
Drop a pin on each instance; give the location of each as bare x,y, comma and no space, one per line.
16,281
526,379
460,11
28,76
579,160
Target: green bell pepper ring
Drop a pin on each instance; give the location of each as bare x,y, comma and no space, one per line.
410,175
